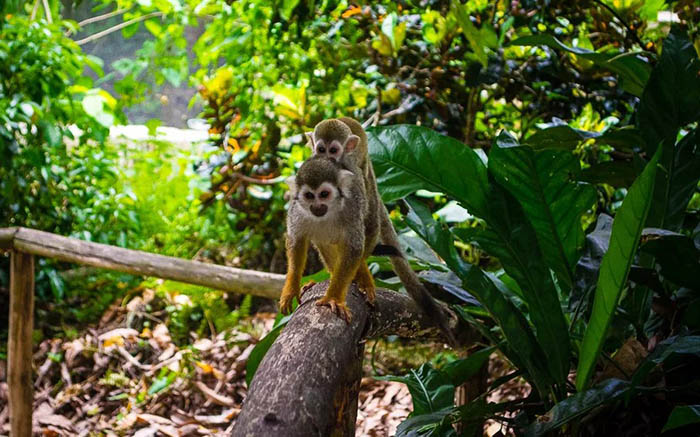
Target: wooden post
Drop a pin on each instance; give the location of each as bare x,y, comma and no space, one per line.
19,350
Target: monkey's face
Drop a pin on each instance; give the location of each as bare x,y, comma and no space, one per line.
332,150
321,200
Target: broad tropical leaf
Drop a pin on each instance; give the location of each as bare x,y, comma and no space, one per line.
578,405
682,416
624,239
511,239
431,389
676,254
684,179
408,158
544,184
515,327
663,111
682,345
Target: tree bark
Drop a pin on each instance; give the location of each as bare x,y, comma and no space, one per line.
308,382
304,386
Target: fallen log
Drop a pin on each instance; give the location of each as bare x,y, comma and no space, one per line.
308,382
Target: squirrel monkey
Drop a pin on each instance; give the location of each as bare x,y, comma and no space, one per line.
344,140
329,209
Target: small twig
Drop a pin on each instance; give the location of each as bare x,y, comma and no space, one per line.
252,180
369,121
87,21
130,358
35,9
214,396
47,11
378,112
628,29
118,27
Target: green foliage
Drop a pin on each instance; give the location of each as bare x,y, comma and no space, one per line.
260,349
682,416
41,85
529,212
567,102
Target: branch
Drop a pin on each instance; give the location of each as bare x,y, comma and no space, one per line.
307,383
90,20
47,11
257,181
628,29
118,27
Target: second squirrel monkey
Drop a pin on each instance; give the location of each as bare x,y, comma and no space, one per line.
328,208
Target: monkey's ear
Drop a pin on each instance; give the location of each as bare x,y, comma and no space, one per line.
351,143
346,179
310,139
292,184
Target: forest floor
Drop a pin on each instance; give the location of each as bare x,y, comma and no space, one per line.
126,376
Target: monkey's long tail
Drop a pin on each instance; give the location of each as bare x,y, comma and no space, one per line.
410,280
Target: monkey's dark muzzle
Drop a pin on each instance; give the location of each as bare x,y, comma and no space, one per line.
319,210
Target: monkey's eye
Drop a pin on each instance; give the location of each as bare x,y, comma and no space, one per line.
324,194
321,149
309,195
333,150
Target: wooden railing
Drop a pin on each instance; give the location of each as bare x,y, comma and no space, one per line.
24,244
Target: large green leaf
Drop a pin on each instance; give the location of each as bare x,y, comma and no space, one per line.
260,349
427,425
615,173
566,137
515,327
682,345
459,371
559,137
544,182
511,239
633,70
676,254
479,38
431,389
683,180
578,405
624,239
408,158
682,416
671,100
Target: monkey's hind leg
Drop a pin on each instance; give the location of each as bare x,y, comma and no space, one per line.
344,263
296,260
365,282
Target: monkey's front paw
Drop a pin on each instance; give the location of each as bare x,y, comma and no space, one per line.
287,299
338,308
307,286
